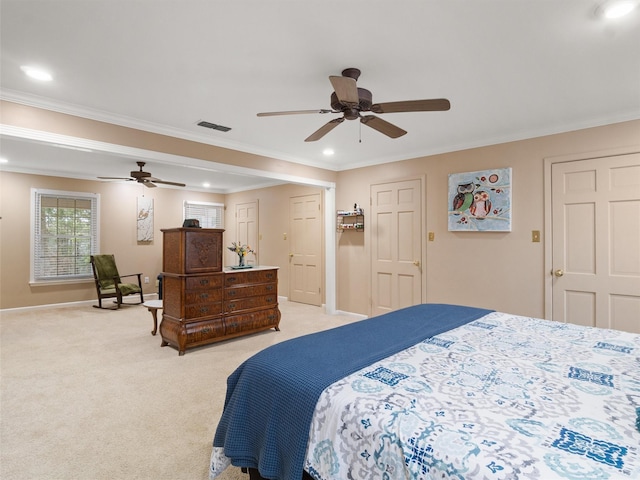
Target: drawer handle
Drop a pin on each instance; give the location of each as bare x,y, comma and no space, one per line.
231,293
206,330
204,282
232,306
233,325
204,295
269,275
270,299
269,288
231,279
204,309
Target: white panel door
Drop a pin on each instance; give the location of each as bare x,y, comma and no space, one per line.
396,246
305,242
247,228
596,242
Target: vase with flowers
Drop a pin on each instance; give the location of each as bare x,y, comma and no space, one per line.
240,250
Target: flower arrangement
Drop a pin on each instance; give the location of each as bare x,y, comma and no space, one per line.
241,250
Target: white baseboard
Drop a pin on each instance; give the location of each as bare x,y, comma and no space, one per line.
149,296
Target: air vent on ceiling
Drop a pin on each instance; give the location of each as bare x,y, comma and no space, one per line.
213,126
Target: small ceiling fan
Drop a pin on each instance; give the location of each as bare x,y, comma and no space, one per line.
351,101
144,178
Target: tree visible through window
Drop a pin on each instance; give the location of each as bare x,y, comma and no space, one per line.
65,234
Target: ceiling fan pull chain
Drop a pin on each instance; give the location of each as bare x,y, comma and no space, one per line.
359,132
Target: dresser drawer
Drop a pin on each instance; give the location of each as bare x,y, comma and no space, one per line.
197,310
231,293
250,302
251,321
201,332
203,296
203,282
256,276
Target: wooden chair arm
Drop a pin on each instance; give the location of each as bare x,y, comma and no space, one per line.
131,275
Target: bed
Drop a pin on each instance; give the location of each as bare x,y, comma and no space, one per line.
437,391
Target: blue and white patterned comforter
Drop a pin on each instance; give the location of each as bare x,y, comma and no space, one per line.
503,397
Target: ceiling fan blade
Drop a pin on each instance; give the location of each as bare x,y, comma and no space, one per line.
322,131
432,105
389,129
148,184
346,89
175,184
116,178
295,112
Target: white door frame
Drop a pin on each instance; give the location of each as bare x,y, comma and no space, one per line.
548,219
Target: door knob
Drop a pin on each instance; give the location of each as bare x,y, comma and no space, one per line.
558,273
290,255
416,263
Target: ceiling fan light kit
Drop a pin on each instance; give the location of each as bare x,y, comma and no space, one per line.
351,100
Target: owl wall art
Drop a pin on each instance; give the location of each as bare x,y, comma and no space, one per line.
480,201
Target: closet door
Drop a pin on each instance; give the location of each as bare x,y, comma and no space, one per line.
596,242
305,249
396,245
247,229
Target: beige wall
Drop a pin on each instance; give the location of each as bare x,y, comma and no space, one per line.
117,234
503,271
273,224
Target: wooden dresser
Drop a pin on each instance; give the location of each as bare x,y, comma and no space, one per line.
250,300
204,303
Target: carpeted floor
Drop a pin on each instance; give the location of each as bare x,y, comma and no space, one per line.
90,394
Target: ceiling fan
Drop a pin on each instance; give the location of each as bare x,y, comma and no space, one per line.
351,101
144,178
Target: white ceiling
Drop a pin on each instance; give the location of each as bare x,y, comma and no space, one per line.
512,69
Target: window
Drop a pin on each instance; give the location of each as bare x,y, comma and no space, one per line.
65,234
210,215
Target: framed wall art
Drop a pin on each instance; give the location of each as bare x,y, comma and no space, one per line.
145,219
480,201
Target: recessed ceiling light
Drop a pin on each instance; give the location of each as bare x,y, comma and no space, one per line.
616,8
328,151
36,73
4,160
206,184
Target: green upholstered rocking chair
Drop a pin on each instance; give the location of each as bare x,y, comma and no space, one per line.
109,282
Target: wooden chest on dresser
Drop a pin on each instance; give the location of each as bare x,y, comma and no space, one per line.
202,303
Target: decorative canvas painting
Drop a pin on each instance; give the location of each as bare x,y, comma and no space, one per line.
480,201
145,219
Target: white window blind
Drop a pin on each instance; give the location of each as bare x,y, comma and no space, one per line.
65,233
210,215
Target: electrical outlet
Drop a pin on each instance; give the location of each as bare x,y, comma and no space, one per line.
146,279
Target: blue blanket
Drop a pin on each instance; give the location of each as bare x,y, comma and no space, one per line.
271,397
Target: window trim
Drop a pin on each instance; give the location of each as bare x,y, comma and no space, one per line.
35,216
